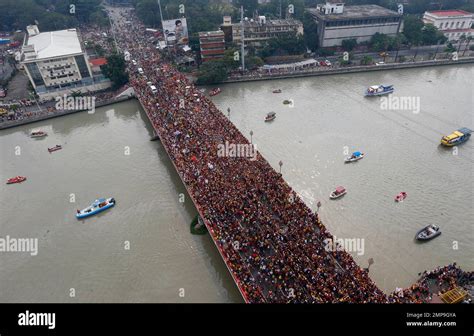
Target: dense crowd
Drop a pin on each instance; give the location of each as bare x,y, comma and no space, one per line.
25,109
437,281
271,241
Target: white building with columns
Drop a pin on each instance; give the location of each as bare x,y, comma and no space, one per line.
453,23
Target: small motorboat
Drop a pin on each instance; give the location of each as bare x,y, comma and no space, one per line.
277,91
55,148
401,196
16,179
457,137
270,116
339,192
38,134
286,102
98,206
354,157
378,90
427,233
215,92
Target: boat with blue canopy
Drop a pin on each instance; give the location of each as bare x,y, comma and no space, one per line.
354,157
98,206
378,90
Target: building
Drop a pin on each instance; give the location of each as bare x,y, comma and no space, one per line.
337,22
453,23
56,63
261,30
212,45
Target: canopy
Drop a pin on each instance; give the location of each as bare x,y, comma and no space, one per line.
308,62
340,189
357,153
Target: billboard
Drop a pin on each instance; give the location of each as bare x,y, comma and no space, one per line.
176,30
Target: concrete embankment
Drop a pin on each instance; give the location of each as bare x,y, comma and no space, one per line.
345,70
14,123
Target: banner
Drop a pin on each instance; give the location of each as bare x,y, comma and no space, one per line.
176,30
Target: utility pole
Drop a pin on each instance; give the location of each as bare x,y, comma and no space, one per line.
242,36
161,18
280,11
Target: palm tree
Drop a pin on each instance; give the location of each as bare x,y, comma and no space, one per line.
462,38
468,39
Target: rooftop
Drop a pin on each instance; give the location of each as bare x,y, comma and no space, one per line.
217,33
453,12
278,22
356,12
54,44
98,61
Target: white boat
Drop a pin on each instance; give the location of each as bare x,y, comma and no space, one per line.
356,156
339,192
378,90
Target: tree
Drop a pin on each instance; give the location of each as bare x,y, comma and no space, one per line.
349,44
367,60
149,12
115,70
468,39
287,44
212,72
412,27
430,35
310,32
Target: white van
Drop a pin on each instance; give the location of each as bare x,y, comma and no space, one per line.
153,89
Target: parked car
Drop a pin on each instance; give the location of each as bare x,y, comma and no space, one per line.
134,62
153,89
140,71
380,63
327,63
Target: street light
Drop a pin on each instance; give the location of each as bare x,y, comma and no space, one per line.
318,205
228,112
371,261
280,164
251,136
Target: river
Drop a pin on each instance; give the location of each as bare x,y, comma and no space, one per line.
142,251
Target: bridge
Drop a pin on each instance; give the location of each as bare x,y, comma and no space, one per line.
272,244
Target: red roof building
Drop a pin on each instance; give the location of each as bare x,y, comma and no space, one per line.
453,23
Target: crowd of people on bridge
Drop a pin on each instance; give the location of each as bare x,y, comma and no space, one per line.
270,240
437,281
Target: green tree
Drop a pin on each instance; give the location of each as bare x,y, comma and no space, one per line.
212,72
349,44
287,44
310,32
115,70
367,60
430,35
412,29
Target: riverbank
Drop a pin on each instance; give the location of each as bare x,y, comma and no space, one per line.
344,70
56,114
